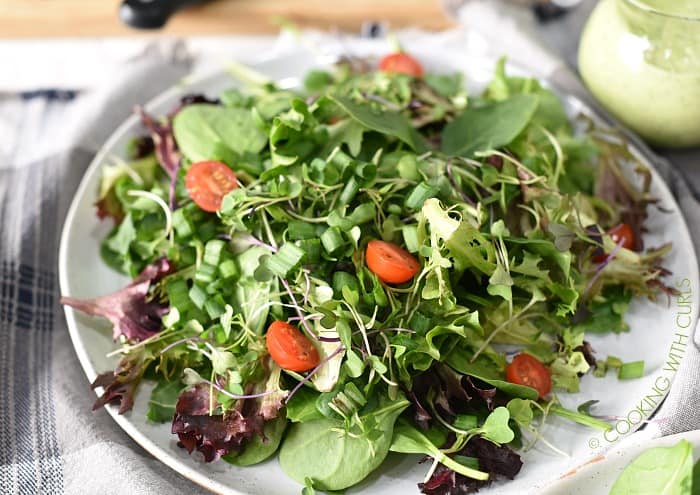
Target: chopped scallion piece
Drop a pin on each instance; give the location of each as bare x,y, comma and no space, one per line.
285,260
228,269
212,251
419,195
198,295
633,369
332,240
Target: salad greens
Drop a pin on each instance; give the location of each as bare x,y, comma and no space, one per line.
502,210
660,471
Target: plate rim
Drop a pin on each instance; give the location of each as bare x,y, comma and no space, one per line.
629,451
198,476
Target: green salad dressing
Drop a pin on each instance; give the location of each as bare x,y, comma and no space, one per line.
680,8
641,59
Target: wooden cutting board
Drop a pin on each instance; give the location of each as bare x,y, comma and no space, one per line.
71,18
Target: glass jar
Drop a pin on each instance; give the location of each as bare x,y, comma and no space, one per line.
641,60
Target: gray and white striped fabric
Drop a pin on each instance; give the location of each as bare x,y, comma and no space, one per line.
50,441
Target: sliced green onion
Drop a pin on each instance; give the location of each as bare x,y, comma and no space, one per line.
285,260
198,296
363,213
182,225
419,195
178,294
613,362
205,273
215,306
340,158
332,240
633,369
214,286
601,369
410,238
228,269
212,251
298,230
352,187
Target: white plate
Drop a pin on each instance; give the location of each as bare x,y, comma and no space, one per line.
654,325
598,476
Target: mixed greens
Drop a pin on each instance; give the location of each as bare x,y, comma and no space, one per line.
376,262
661,471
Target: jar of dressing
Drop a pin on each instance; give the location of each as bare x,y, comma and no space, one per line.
641,60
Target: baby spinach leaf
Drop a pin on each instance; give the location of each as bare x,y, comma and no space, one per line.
260,447
408,440
302,406
550,112
385,122
658,471
333,458
200,129
161,405
493,125
447,85
696,479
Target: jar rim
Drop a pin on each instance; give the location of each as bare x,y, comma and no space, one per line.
643,6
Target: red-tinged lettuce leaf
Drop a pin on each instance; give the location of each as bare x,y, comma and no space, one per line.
109,207
161,133
444,481
145,167
129,309
498,461
119,385
213,435
588,353
164,141
450,392
486,392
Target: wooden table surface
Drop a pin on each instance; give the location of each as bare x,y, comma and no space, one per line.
71,18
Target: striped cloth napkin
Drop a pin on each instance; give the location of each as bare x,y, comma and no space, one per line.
50,441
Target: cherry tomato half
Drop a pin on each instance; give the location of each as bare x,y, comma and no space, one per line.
391,263
208,182
621,234
401,63
290,348
529,371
